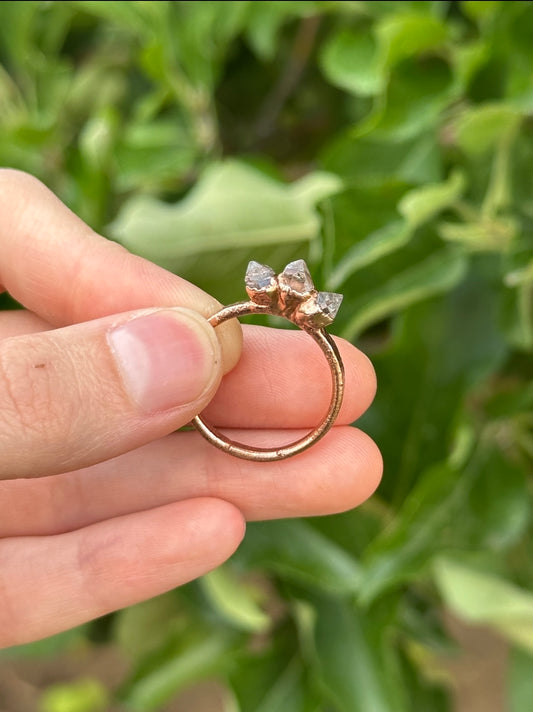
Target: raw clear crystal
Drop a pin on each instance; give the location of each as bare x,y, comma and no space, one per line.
329,303
258,276
296,276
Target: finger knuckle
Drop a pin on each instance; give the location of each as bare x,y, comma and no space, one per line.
102,560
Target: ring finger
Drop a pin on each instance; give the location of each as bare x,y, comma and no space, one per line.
340,472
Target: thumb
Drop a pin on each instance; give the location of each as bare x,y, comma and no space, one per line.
82,394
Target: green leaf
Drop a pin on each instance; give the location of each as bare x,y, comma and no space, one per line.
286,693
355,529
422,204
360,60
481,9
382,242
232,206
367,161
85,695
12,109
405,548
135,16
522,275
141,629
17,30
96,140
436,274
403,35
499,194
235,600
411,97
479,128
518,306
271,677
152,154
483,599
207,655
441,350
417,95
47,647
350,61
379,8
299,553
485,235
519,680
490,493
499,504
265,20
425,680
189,46
348,661
468,58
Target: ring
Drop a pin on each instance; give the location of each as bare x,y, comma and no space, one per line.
292,295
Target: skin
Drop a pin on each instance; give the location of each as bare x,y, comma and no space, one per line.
102,506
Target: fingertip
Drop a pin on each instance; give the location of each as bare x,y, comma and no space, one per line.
352,471
111,564
218,528
368,375
152,278
337,474
369,465
210,530
360,379
229,336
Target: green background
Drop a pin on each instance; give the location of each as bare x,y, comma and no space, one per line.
391,145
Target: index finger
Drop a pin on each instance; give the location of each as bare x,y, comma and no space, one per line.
60,269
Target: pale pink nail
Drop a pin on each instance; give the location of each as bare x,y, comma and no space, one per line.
166,359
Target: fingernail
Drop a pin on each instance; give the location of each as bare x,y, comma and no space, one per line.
166,359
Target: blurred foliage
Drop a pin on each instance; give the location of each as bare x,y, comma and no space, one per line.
81,696
391,144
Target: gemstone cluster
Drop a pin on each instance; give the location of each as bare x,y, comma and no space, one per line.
292,294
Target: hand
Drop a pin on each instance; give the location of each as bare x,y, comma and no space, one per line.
102,504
